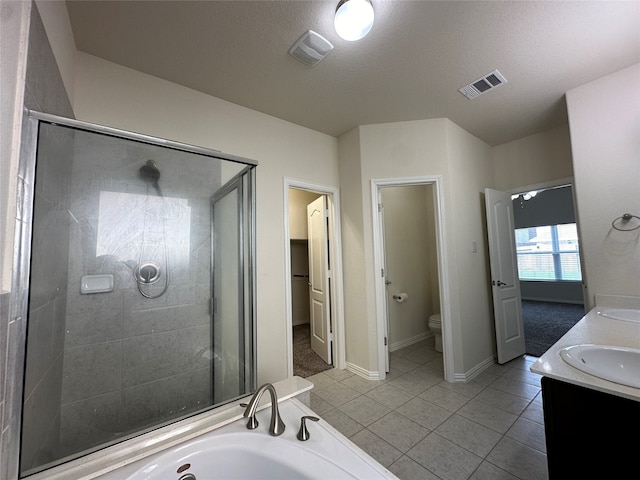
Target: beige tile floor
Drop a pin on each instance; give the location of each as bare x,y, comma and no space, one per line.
421,427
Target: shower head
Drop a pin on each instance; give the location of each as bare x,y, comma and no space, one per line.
150,174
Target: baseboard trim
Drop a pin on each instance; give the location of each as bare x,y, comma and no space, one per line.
409,341
475,371
553,300
458,377
361,372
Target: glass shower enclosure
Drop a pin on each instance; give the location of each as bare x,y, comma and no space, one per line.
141,286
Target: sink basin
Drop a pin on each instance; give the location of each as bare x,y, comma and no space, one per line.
616,364
624,314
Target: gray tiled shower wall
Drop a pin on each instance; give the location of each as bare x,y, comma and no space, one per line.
44,91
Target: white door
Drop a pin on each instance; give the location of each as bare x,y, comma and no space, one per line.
505,285
319,279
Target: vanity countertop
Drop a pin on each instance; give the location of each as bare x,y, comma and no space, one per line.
591,329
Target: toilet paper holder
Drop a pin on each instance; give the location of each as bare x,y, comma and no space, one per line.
400,297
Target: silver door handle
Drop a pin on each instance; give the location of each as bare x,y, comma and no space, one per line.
387,282
499,283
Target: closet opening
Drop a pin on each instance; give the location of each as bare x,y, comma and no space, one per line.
314,313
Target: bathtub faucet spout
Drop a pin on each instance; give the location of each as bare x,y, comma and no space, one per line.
277,426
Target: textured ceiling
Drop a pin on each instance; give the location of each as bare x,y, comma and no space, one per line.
409,67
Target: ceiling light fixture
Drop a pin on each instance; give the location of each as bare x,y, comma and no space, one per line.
354,19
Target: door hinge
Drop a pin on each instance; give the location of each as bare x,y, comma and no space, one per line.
379,207
385,341
382,272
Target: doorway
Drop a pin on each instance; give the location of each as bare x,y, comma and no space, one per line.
549,263
313,278
409,283
535,267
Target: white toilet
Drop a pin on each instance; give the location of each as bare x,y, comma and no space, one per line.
435,324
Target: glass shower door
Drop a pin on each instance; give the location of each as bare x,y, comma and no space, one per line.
140,287
228,302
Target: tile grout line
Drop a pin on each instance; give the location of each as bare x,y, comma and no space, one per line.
501,373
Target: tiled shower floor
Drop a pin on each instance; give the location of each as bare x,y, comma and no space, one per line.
421,427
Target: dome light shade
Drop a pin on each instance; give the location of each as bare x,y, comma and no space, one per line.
354,19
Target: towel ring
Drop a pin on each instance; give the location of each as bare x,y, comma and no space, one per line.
625,218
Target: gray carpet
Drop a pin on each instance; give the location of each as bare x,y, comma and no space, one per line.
305,361
546,322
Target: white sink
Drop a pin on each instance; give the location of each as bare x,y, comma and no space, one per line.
616,364
624,314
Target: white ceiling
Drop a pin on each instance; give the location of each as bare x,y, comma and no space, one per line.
409,67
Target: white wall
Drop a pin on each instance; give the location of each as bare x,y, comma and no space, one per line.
108,94
392,150
298,201
359,326
418,149
604,117
470,173
532,160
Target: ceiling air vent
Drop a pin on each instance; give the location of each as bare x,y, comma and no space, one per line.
310,48
484,84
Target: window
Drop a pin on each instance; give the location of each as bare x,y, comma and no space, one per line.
549,252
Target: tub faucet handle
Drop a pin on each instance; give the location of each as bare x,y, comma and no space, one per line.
303,433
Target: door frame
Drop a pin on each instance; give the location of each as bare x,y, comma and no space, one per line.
335,253
436,182
383,250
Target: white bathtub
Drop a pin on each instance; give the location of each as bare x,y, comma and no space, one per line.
234,452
